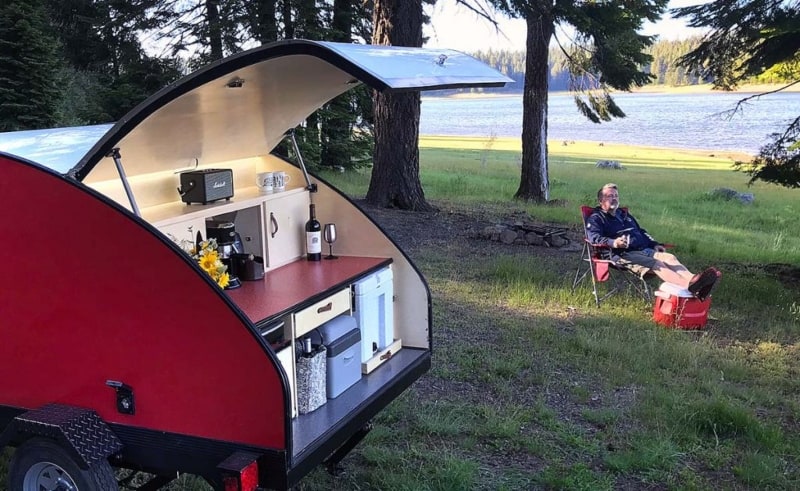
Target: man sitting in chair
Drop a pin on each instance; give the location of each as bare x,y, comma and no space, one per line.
633,248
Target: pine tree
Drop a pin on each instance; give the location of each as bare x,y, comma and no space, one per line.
746,40
342,145
29,89
108,71
395,174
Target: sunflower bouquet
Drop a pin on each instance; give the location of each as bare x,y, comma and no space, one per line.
208,258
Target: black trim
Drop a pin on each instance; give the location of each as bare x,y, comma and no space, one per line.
159,452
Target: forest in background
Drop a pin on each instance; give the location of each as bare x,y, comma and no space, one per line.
664,67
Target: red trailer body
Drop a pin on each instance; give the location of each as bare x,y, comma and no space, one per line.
117,349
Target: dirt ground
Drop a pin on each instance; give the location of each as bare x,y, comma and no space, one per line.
458,229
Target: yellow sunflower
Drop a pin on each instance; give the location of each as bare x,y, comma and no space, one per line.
223,280
209,261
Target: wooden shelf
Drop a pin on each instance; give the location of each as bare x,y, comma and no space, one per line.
178,211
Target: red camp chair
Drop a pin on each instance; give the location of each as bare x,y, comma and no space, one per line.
597,264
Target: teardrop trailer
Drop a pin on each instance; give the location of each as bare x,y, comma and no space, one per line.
118,350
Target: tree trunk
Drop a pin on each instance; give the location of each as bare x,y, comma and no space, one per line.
264,23
288,22
395,172
534,182
214,29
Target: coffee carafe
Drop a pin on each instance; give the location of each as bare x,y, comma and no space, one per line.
228,244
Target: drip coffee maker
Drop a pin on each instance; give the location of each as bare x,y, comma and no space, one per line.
228,244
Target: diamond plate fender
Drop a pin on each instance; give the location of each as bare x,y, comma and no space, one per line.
79,431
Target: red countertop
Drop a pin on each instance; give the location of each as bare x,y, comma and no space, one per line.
299,282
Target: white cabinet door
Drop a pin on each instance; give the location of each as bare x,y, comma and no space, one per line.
286,357
185,231
285,218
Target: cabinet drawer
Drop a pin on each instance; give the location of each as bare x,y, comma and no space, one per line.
310,318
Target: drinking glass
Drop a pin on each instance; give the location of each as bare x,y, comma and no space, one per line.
329,234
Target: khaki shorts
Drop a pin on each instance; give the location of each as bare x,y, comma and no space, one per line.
640,262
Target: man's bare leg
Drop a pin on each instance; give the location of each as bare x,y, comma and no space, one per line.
670,276
669,265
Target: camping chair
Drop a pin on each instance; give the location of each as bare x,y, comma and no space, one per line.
597,264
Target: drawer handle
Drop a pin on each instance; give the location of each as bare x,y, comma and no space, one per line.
325,308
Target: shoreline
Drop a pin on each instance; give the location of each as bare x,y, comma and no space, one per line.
587,148
744,90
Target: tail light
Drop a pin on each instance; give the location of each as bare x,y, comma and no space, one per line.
240,472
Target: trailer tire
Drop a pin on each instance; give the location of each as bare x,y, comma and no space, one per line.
41,464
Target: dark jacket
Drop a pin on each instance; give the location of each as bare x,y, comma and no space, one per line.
603,228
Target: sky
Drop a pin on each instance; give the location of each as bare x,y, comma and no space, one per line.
456,27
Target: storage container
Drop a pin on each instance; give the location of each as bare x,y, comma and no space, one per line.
311,375
676,307
373,311
342,340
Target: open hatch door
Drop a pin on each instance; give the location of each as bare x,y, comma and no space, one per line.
242,106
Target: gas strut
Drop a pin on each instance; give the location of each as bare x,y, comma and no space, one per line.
114,154
309,185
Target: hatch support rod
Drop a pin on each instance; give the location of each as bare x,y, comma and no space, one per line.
114,153
309,185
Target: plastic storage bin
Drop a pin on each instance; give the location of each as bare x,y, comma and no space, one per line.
676,307
342,339
373,311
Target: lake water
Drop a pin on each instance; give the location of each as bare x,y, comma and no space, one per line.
691,121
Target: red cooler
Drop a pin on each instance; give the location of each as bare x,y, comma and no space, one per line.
676,307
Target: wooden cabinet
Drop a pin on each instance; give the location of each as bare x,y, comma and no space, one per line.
285,216
270,225
183,231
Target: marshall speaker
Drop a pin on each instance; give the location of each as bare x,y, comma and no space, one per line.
205,186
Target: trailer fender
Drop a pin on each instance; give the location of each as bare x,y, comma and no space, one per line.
80,432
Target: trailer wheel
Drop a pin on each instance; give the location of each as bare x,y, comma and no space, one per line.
42,465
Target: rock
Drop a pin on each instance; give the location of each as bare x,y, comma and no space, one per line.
532,238
731,194
608,164
557,241
508,236
726,193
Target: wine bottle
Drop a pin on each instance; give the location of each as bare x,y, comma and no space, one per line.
313,236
